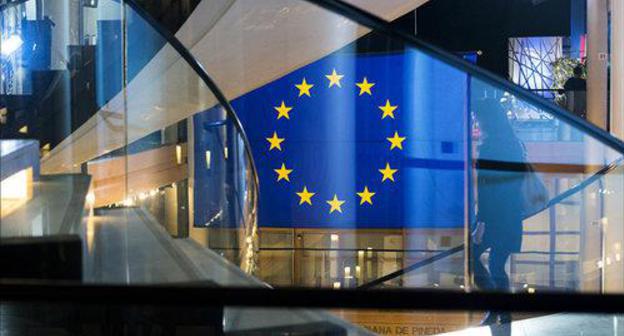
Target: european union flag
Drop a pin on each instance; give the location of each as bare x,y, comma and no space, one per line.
360,141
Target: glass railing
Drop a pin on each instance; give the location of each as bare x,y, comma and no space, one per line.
402,153
556,265
117,110
378,155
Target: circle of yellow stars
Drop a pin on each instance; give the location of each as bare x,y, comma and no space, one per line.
387,173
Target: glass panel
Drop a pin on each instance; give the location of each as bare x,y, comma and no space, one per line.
332,138
62,69
181,199
114,108
376,158
363,127
541,219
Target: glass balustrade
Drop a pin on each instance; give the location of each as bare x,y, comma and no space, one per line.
368,158
128,128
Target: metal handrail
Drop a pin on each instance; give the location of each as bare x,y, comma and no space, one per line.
203,75
210,83
379,25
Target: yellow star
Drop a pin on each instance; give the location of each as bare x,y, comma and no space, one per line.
366,195
304,88
305,196
365,86
388,173
282,111
388,110
282,173
334,79
275,141
396,141
336,204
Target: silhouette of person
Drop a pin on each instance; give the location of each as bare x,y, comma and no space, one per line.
500,160
575,89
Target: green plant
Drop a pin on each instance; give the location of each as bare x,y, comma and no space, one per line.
563,69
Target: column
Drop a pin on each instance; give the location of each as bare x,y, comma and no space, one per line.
617,68
597,74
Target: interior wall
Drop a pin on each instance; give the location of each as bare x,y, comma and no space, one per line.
617,68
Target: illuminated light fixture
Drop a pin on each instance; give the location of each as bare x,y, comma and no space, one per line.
90,198
128,202
15,191
11,44
225,152
3,115
208,159
334,237
336,285
179,154
24,129
16,185
90,3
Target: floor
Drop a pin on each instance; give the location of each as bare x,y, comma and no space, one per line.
127,246
553,325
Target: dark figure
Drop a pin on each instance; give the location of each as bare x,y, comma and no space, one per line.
499,200
575,89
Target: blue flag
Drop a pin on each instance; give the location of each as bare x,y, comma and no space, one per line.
356,141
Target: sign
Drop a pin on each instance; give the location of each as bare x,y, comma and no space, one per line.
396,323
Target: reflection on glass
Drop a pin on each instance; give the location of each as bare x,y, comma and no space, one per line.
550,195
500,196
375,157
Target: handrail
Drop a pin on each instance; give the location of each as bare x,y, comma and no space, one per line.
442,255
412,267
403,299
559,198
364,18
371,21
203,75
